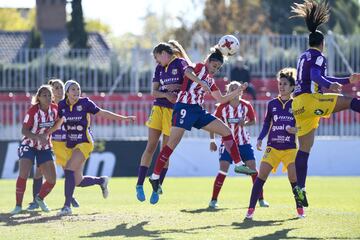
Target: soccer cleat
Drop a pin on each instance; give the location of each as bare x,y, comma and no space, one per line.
213,204
245,170
74,203
42,204
32,206
17,210
154,198
300,213
140,193
300,196
263,203
64,211
155,183
104,187
250,213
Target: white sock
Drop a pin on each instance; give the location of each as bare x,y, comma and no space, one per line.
155,176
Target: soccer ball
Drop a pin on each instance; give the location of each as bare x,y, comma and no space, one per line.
229,45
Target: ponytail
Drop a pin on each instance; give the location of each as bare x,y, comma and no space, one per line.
314,14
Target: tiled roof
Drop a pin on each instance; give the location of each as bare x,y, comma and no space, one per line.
13,44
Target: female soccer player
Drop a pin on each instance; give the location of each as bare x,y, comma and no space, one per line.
75,111
236,114
279,125
310,104
36,144
188,113
168,77
58,140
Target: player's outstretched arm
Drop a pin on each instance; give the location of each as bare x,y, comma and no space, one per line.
113,116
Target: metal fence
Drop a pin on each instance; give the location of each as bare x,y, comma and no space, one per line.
26,69
343,124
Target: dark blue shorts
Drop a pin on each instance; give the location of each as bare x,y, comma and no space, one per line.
41,156
190,115
246,153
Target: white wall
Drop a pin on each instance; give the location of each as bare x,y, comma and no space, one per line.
328,158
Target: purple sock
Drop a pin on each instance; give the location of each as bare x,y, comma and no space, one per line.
90,180
301,165
69,186
162,175
292,187
37,182
355,105
142,174
256,190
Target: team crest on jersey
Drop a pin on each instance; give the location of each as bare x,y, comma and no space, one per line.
174,71
290,110
79,108
274,109
319,112
63,110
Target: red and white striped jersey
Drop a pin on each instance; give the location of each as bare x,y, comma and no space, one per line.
38,122
192,92
232,116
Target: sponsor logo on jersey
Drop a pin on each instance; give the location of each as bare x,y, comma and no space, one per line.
233,120
46,124
299,111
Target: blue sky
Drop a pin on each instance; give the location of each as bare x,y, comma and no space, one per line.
127,17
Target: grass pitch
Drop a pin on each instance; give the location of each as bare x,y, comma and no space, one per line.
182,212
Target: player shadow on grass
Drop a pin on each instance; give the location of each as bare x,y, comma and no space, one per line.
248,223
31,217
208,209
123,230
283,234
27,218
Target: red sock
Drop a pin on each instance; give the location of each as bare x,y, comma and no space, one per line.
162,159
261,196
232,148
20,189
219,180
45,189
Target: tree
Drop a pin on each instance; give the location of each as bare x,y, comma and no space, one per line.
12,20
243,16
278,13
77,35
95,25
35,39
343,17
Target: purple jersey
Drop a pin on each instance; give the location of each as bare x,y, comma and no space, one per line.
59,135
169,77
77,120
311,58
278,116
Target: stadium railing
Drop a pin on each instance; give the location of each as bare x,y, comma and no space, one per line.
26,69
